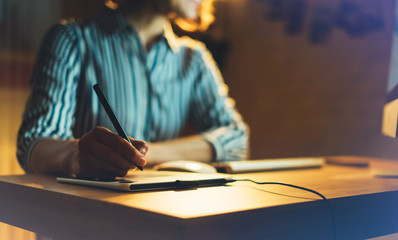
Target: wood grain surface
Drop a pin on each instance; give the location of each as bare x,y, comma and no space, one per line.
360,202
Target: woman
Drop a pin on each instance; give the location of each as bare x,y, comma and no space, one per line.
155,82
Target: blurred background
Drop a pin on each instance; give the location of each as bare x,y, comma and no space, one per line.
308,76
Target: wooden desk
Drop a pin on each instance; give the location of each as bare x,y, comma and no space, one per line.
364,207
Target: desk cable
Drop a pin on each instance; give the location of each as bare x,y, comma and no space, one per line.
301,188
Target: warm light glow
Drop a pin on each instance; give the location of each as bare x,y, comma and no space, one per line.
206,18
12,104
34,185
390,119
111,4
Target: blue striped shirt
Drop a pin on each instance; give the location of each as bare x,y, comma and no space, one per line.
154,93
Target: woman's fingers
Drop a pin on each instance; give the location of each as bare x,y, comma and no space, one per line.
105,154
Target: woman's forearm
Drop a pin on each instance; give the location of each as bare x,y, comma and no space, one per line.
186,148
99,153
53,156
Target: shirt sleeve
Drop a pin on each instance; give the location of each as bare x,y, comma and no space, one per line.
49,112
215,115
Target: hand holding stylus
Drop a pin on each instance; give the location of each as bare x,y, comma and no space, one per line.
111,115
104,154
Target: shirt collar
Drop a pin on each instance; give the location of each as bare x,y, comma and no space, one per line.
112,21
170,37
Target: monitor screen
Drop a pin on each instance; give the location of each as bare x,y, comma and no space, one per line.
390,112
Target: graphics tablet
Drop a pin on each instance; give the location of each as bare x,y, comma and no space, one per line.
153,181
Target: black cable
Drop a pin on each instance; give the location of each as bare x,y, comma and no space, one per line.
301,188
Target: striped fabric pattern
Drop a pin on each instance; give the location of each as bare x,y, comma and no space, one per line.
154,93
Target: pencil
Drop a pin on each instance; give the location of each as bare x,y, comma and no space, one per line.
112,116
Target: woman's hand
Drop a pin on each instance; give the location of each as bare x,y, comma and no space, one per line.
101,153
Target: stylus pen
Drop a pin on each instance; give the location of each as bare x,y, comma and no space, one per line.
112,116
